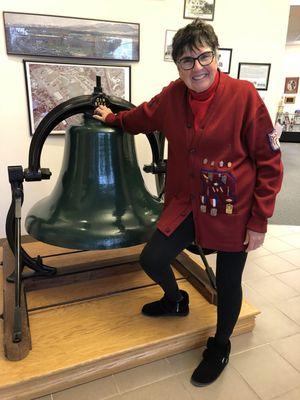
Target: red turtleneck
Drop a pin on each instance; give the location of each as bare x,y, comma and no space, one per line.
200,102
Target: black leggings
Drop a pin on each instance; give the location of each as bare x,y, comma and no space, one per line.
159,252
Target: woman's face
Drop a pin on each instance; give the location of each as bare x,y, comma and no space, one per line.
199,78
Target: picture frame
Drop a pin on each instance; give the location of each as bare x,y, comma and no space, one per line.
289,99
70,37
256,73
224,59
49,84
291,85
203,9
168,44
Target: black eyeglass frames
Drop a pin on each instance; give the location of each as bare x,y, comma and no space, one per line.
204,59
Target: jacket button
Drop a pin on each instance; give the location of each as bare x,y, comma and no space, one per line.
192,150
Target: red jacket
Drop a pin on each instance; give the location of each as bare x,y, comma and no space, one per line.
227,173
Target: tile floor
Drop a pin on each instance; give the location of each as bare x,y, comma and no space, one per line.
264,365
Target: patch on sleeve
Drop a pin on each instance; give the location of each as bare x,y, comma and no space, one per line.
274,140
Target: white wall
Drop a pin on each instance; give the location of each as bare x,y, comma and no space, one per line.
292,68
255,30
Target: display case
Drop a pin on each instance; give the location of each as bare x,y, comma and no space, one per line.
291,126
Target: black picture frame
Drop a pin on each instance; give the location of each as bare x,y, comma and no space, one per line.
256,73
224,59
49,84
199,9
70,37
168,44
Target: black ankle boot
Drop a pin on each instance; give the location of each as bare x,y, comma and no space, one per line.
215,359
167,308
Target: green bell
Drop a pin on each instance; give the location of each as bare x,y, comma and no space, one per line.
100,200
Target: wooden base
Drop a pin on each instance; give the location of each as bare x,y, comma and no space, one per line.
87,329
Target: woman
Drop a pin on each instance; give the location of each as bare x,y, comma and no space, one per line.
224,172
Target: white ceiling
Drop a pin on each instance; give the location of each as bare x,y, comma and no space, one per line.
293,33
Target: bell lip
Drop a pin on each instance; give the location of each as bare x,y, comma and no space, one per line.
85,246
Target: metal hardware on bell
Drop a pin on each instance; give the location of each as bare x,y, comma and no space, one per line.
100,200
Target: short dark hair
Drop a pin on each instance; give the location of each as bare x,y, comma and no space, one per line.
197,33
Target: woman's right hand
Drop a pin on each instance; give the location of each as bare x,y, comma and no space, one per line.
101,113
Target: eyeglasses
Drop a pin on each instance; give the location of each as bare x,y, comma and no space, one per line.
204,59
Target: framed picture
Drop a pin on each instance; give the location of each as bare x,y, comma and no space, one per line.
54,36
168,45
256,73
224,60
203,9
290,99
48,84
291,85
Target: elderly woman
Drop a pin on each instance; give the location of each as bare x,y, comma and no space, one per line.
224,172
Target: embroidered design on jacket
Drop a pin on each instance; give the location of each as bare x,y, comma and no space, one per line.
274,140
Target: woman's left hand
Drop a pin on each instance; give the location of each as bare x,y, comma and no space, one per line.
254,240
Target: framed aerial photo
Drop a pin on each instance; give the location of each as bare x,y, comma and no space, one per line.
48,84
224,60
256,73
203,9
55,36
168,44
291,85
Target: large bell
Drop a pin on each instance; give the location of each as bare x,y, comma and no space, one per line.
100,200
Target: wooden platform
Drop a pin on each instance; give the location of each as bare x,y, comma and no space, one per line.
82,331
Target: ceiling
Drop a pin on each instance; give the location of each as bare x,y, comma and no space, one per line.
293,33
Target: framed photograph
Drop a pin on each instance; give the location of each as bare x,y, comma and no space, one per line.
256,73
48,84
290,99
291,85
54,36
224,60
168,45
203,9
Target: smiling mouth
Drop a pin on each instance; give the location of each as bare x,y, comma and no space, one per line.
199,77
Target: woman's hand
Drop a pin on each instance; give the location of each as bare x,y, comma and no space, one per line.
101,113
254,240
